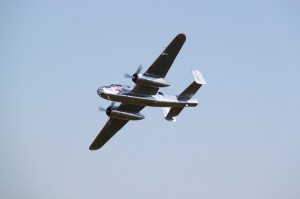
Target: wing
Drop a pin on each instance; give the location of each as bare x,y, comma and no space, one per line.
161,65
113,126
109,130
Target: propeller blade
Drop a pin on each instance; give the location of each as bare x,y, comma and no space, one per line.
113,104
126,75
139,69
101,108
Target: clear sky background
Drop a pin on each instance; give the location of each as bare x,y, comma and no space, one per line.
241,142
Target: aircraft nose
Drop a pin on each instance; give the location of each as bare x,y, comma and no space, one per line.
99,91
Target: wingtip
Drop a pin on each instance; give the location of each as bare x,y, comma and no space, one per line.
92,148
181,36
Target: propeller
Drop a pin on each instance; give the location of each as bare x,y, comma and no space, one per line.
112,103
126,75
139,69
100,108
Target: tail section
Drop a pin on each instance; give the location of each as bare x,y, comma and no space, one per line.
171,112
166,112
190,91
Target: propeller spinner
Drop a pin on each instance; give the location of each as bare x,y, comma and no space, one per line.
108,109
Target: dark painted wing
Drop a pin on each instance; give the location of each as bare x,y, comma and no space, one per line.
113,126
109,130
161,65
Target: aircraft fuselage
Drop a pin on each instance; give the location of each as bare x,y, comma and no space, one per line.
121,93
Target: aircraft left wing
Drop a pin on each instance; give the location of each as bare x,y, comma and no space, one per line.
113,126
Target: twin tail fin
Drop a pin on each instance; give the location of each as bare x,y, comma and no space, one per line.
171,112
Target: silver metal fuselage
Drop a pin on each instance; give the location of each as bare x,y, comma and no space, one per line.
121,93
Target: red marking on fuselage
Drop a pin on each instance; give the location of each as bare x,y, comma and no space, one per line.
118,89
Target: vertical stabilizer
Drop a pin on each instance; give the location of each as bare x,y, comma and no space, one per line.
190,91
166,111
171,112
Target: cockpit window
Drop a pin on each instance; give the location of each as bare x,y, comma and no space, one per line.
115,85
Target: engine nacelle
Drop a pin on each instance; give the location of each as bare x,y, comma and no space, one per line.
122,115
151,81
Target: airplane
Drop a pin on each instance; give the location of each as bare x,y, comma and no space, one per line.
145,93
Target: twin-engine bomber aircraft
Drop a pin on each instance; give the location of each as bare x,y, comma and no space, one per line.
145,93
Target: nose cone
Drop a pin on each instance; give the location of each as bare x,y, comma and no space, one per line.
99,91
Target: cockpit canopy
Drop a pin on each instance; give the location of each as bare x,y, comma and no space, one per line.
113,85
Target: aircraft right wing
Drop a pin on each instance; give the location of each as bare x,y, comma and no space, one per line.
108,131
161,65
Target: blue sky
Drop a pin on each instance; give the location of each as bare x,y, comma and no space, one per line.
241,141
